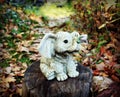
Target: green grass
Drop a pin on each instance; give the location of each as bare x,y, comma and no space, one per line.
4,63
51,11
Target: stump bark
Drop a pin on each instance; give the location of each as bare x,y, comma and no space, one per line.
36,85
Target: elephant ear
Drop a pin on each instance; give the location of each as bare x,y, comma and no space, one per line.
46,46
75,34
83,38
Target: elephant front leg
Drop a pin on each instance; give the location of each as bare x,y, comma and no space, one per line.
47,71
59,70
71,69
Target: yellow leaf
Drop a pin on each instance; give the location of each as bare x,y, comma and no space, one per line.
19,91
10,79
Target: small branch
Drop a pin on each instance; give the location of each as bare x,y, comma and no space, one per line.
103,25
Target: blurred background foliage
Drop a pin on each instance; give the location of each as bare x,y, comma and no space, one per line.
93,15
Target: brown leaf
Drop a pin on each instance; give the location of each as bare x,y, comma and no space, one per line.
15,68
115,78
34,57
96,72
19,91
19,73
24,65
22,48
110,45
77,56
100,66
25,43
101,82
6,55
8,70
102,50
9,79
86,61
36,18
103,74
19,36
33,49
112,63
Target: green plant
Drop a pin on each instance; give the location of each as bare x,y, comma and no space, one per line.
25,59
100,44
4,63
118,71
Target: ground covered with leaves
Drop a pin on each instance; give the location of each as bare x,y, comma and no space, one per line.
21,30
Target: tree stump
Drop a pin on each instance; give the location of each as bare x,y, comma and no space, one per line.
36,85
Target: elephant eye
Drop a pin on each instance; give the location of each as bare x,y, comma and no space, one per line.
65,41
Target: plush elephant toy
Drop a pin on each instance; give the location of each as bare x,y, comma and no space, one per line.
56,52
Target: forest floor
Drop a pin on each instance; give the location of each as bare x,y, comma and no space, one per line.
21,32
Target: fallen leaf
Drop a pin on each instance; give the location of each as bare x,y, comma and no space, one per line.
33,49
19,36
19,73
110,45
87,61
100,66
34,57
36,18
103,74
26,43
22,48
102,50
19,91
15,68
12,74
112,63
24,65
77,56
8,70
9,79
96,72
115,78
